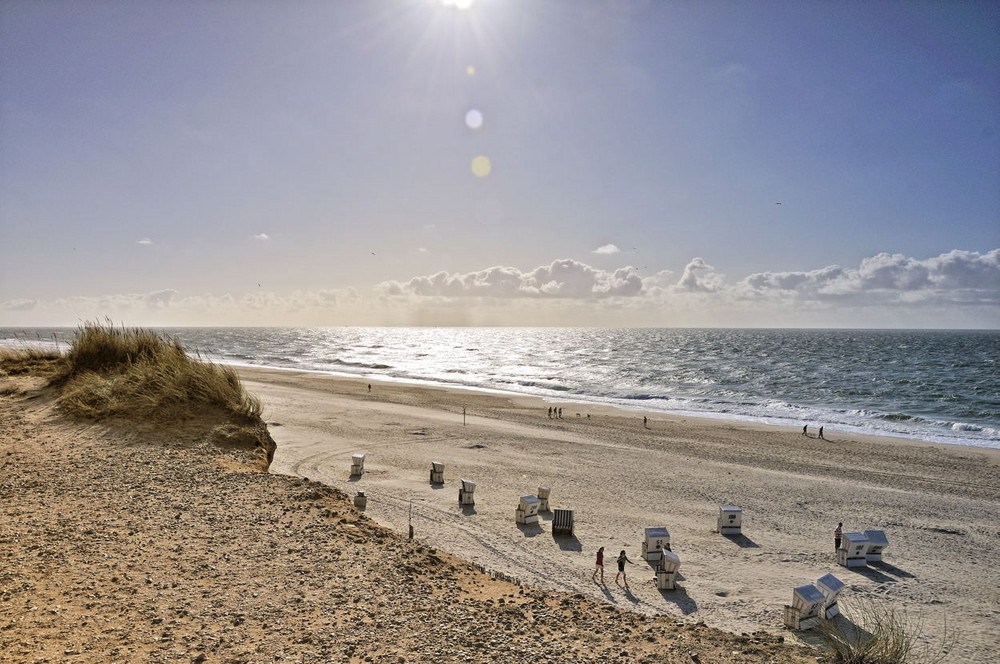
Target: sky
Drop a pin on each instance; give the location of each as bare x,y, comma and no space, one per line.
668,163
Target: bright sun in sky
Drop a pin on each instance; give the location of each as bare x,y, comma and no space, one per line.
458,4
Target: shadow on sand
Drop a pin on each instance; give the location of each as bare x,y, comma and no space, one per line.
679,596
570,543
742,541
889,568
468,510
629,596
530,529
873,574
607,592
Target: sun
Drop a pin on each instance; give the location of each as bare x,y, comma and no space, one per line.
457,4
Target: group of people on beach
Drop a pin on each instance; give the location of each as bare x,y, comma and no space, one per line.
599,568
555,413
805,432
622,558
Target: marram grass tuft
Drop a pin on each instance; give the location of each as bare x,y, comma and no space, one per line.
132,372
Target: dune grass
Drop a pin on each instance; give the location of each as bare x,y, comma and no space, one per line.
30,361
136,373
879,633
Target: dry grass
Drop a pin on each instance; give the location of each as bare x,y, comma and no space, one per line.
131,372
30,361
879,633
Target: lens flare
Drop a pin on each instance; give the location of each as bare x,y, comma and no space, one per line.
470,70
473,119
481,166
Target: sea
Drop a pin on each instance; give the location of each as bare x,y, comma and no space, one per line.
932,385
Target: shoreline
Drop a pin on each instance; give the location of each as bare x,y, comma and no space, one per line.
541,402
930,426
936,501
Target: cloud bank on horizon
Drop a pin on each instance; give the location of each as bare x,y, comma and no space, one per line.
963,286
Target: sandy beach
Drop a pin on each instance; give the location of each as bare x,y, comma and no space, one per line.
938,504
146,542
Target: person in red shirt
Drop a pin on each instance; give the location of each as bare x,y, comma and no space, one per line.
837,533
599,565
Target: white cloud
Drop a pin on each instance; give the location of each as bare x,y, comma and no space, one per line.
955,277
607,249
160,298
262,237
169,307
145,242
954,289
562,278
19,305
699,276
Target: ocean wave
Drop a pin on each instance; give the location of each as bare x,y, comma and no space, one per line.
359,365
534,383
897,417
964,426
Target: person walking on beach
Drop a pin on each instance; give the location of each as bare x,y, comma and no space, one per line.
550,412
644,421
821,434
599,565
622,559
838,532
805,430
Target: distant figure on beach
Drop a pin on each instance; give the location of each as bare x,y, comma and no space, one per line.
838,532
550,412
644,420
369,387
599,565
821,433
560,413
805,430
622,559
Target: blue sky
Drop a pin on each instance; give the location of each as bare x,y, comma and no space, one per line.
651,163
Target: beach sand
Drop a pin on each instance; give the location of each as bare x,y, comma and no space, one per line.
140,542
938,504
